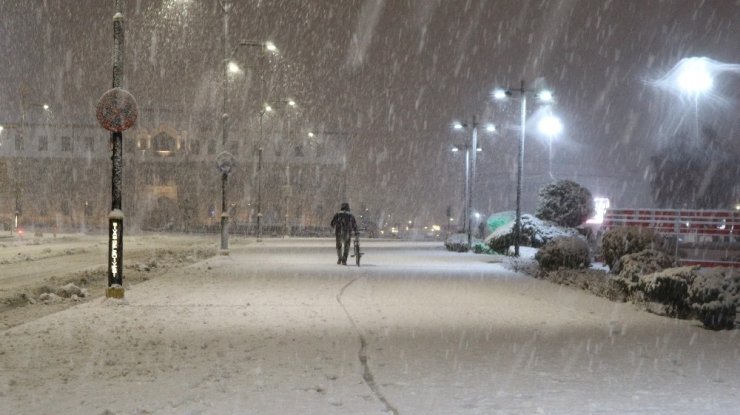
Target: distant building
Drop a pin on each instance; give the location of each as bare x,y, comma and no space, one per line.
57,174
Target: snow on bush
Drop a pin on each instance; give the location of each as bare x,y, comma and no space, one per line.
714,297
457,242
670,289
535,233
566,203
631,267
618,242
567,252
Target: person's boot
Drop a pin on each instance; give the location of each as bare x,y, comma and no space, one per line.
339,261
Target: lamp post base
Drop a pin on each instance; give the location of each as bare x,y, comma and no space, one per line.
115,291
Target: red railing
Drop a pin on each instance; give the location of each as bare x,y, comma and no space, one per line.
708,237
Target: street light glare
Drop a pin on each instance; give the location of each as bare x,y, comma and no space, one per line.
545,96
551,125
490,128
271,47
291,103
46,107
268,108
499,94
233,68
310,134
694,77
457,126
454,149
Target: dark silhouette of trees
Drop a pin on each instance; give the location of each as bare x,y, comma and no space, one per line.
695,175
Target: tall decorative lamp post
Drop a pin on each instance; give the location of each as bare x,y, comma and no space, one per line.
546,97
116,112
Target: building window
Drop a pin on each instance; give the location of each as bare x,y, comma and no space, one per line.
89,144
67,144
43,143
211,146
163,144
18,143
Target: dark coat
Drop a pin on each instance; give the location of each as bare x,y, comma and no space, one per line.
344,223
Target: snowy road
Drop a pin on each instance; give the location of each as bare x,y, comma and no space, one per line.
279,328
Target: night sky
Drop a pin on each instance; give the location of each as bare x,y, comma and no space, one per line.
394,74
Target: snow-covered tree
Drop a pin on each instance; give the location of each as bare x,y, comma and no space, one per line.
566,203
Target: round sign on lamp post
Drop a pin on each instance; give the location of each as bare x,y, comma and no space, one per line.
116,112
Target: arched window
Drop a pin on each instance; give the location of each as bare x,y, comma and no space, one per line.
163,144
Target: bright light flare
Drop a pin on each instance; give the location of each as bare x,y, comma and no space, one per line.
268,108
693,76
457,125
601,204
551,125
270,47
233,68
499,94
490,128
545,96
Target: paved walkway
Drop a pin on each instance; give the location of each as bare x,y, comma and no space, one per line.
279,328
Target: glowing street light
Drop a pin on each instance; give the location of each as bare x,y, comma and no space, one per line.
693,76
233,68
544,96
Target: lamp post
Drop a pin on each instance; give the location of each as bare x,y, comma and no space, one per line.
466,208
116,111
470,158
225,160
269,108
544,96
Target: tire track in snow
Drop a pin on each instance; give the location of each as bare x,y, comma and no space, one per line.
367,374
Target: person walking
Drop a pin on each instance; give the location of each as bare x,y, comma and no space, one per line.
344,225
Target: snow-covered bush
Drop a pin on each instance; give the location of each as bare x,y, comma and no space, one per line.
457,242
631,267
566,203
535,233
618,242
670,288
714,297
568,252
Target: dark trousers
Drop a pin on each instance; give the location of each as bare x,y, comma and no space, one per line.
343,246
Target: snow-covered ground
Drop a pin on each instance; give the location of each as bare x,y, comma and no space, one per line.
279,328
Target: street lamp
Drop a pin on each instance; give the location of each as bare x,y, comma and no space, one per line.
544,96
269,47
269,107
470,169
